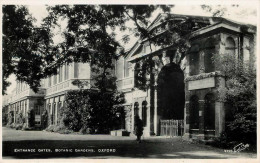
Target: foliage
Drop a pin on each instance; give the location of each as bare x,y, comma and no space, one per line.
240,95
20,118
4,117
23,47
19,126
90,34
10,118
84,107
50,128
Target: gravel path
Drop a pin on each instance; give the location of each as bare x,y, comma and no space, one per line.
54,145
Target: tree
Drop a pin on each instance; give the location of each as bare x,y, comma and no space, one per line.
23,46
240,95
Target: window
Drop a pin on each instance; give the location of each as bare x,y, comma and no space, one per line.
127,67
60,74
230,46
194,60
54,79
66,72
49,84
76,70
208,56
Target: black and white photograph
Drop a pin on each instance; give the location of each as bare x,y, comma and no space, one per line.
121,80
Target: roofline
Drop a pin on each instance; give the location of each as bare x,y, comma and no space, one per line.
221,20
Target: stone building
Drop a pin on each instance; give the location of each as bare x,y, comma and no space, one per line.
50,95
183,89
23,99
187,90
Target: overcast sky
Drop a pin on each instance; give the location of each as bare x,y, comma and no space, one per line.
245,13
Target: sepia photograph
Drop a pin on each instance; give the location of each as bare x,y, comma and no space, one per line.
129,81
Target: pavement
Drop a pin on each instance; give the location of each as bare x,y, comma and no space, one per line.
19,144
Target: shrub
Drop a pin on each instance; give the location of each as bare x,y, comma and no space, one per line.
65,131
4,118
25,128
13,125
240,94
20,118
86,130
10,118
50,128
58,128
19,126
84,108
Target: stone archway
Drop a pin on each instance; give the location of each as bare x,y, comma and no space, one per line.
170,92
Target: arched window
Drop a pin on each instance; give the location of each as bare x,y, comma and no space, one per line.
230,46
136,109
194,112
194,60
144,113
208,55
209,112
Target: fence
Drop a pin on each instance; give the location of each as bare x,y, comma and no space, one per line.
171,127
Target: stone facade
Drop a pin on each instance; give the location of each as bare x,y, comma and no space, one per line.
187,91
203,113
51,94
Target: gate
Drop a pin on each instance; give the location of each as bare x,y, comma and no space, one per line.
171,127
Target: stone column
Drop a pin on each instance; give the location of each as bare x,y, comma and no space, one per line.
56,110
156,121
201,119
133,121
150,109
219,118
187,120
14,105
24,111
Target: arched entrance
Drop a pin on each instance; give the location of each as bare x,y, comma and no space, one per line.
170,92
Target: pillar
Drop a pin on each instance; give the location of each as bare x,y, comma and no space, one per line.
150,109
219,118
133,121
156,121
56,110
186,120
24,107
14,105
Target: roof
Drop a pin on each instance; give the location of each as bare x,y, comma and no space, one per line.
211,21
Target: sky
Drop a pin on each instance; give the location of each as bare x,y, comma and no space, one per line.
245,13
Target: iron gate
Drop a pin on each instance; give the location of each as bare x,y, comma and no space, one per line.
171,127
